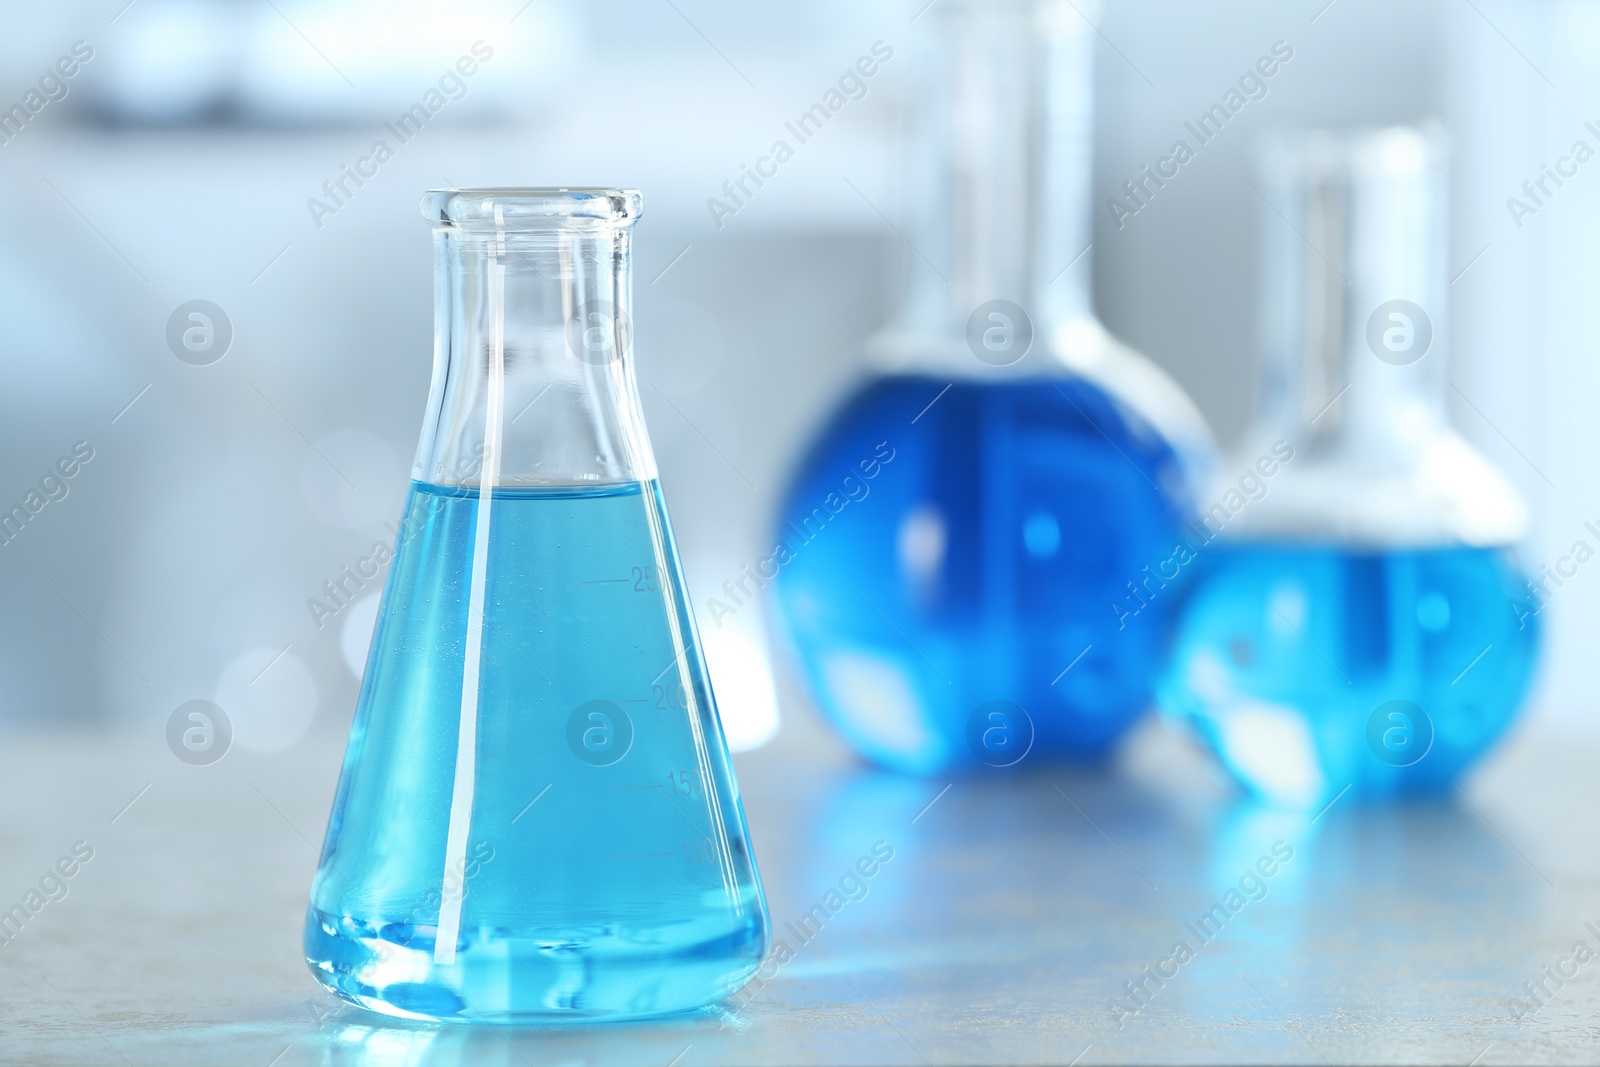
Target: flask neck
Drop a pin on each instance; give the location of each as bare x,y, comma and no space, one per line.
1353,306
1355,301
1002,159
533,380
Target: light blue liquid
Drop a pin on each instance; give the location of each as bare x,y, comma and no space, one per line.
591,891
978,568
1283,654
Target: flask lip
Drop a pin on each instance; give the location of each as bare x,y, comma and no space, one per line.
1359,153
532,209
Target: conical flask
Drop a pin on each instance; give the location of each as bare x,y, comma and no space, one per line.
1359,619
957,551
536,819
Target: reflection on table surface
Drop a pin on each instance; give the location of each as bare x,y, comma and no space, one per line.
1137,914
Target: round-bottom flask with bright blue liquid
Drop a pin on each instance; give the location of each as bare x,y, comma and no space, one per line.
1357,622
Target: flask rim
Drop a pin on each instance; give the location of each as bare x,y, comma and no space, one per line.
525,209
1353,153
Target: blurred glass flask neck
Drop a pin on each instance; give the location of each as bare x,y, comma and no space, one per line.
1355,363
1354,308
533,380
1002,163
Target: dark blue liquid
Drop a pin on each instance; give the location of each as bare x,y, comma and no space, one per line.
1310,668
979,563
606,870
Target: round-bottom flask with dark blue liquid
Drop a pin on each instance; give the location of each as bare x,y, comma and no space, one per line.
975,568
968,555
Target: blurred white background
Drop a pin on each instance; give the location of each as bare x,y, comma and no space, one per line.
179,166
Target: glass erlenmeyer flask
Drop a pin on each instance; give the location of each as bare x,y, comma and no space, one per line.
1355,623
959,545
537,819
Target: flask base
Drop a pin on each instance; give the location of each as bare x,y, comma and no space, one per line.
581,975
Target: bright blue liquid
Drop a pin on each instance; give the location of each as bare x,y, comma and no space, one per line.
1282,654
982,562
624,890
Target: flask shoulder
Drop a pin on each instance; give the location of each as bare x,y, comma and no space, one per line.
1079,347
1085,347
1428,488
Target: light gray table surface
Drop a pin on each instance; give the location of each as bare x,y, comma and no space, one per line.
1015,908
